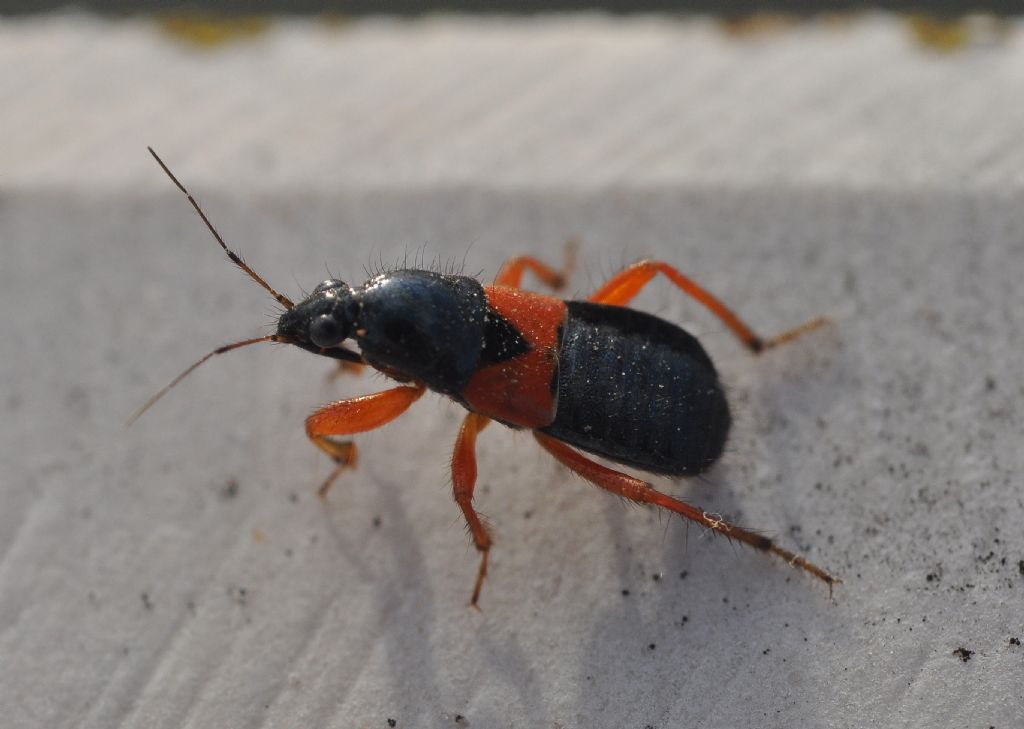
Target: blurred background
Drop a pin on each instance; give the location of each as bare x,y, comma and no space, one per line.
946,8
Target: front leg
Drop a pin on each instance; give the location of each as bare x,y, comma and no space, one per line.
355,415
345,368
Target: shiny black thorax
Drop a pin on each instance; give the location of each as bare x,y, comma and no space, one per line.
425,325
413,325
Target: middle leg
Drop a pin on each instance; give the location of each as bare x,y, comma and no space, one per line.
511,273
464,481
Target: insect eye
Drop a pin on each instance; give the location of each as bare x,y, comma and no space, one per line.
325,331
331,283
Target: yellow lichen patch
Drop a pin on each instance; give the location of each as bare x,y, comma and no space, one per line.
758,24
949,35
204,30
939,35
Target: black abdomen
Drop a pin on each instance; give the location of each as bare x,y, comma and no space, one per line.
638,390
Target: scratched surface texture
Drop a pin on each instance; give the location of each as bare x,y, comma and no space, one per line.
182,573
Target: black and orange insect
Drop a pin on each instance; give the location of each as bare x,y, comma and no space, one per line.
591,376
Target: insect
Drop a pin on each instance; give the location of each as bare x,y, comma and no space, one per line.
592,376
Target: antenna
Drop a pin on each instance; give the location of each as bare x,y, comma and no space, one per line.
281,299
220,350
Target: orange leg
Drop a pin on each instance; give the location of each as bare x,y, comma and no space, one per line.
356,415
464,480
627,283
511,274
642,492
345,368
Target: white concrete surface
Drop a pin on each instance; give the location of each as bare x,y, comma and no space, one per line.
182,572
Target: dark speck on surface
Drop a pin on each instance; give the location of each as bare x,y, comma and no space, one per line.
229,490
392,722
963,654
240,595
1014,641
146,601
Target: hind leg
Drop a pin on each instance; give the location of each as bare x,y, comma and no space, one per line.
643,493
626,284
